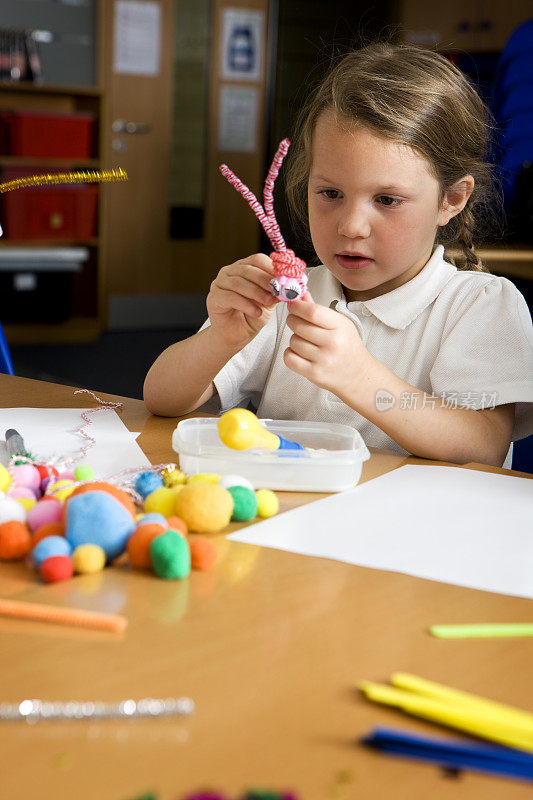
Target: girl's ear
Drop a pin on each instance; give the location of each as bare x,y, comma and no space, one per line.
455,199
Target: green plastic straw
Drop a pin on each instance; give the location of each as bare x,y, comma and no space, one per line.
482,630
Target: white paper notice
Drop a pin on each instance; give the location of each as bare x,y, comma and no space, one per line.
52,432
137,39
237,131
453,525
242,44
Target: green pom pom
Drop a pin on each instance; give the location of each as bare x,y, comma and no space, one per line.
170,554
244,503
83,472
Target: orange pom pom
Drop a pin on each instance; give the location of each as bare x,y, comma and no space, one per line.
139,544
203,553
15,540
177,524
49,529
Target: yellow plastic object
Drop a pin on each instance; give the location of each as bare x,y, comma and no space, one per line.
240,429
5,478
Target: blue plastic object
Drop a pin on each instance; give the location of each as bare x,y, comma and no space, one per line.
6,365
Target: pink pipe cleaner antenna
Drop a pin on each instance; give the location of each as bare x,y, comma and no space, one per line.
290,282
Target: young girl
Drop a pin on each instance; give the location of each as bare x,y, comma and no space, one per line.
419,355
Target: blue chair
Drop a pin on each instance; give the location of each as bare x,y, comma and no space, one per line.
512,106
6,365
523,454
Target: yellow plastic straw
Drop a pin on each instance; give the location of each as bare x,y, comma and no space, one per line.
482,630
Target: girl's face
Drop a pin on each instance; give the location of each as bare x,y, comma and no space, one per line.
373,209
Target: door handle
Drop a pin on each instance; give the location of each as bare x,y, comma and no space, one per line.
122,126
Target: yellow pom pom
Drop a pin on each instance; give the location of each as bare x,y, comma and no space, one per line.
88,558
172,476
160,501
26,502
204,477
62,489
267,503
204,507
5,478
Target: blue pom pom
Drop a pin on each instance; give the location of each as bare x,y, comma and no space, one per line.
50,546
147,482
159,519
98,518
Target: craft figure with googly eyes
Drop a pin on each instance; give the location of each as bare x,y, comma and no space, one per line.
290,281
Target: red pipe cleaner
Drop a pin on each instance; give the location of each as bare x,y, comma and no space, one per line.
290,281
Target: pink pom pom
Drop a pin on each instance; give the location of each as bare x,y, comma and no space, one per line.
26,475
47,510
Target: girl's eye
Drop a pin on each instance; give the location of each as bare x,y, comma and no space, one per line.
330,194
390,202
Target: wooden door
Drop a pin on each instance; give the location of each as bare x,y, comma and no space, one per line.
140,258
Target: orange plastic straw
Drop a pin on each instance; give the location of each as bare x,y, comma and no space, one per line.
64,616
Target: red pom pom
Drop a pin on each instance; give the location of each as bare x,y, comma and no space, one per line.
57,568
288,264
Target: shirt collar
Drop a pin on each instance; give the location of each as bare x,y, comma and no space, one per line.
399,307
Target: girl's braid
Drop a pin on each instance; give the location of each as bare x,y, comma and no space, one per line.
465,224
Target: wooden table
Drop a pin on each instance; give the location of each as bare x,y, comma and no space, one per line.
270,645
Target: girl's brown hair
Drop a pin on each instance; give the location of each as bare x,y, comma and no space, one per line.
417,98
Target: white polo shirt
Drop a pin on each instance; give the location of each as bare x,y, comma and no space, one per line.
463,336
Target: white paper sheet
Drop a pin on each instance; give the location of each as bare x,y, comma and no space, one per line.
50,432
137,37
447,524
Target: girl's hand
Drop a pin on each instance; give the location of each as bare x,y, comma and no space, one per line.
325,347
240,301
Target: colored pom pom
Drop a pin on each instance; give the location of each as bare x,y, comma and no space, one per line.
26,502
153,517
83,472
5,478
61,489
204,477
50,546
177,524
50,529
203,553
47,510
204,507
172,476
109,488
97,517
267,503
235,480
244,503
56,568
15,540
10,509
139,544
22,493
88,558
161,500
147,482
170,554
26,475
45,471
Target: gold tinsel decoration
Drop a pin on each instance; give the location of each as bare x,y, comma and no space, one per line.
172,476
84,176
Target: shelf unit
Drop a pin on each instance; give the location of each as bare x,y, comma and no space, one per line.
86,321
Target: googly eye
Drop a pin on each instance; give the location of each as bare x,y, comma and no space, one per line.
292,290
275,286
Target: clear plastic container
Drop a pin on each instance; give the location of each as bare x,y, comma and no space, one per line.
332,463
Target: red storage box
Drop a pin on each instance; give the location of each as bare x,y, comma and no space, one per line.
62,213
49,135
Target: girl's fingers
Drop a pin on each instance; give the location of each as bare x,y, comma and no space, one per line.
303,348
314,313
246,288
307,330
232,301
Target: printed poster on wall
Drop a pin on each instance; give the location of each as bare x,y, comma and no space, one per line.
137,37
242,44
237,127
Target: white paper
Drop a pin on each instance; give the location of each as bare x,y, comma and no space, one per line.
137,37
242,44
237,125
52,432
458,526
